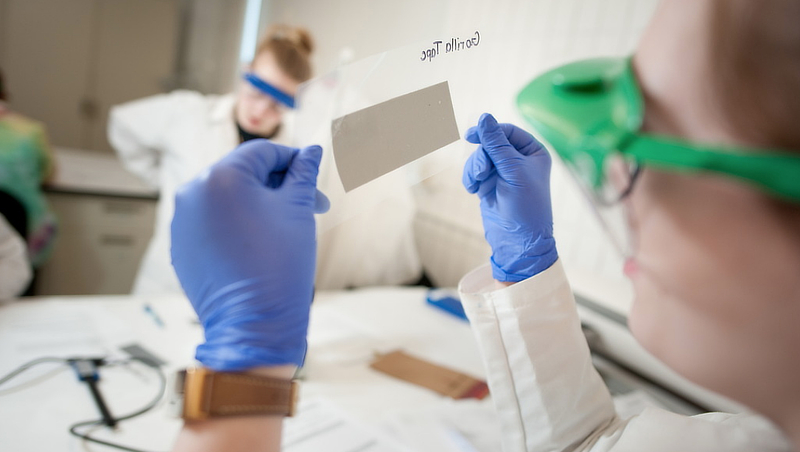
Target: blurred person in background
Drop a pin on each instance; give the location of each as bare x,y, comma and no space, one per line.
26,162
15,269
168,139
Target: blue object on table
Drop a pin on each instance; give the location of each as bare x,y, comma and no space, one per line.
448,301
153,315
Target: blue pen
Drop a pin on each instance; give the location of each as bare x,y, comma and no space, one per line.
447,301
152,313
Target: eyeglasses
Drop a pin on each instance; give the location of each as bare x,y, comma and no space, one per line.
256,87
591,112
622,175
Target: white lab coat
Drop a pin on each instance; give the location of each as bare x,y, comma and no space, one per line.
548,395
15,267
169,139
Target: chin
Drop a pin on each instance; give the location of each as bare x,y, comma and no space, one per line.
635,325
645,319
249,127
261,129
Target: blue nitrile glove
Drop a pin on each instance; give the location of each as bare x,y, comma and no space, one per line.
510,172
244,249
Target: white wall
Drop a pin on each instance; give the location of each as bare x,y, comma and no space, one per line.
211,58
529,36
67,61
364,26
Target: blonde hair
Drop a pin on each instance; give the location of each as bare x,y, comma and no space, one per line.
291,47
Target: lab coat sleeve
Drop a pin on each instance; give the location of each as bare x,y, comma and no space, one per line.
15,269
138,131
548,395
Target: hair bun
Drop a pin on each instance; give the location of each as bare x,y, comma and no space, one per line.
298,36
291,48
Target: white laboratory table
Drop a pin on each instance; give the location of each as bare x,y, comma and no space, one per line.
346,329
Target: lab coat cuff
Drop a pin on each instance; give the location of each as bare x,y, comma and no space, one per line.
478,287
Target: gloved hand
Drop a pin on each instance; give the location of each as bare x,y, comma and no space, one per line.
510,172
244,249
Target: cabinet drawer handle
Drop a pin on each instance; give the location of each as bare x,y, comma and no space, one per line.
117,240
125,208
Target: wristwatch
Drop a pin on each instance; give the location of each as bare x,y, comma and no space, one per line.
201,393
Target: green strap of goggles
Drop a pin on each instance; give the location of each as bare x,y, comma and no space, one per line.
588,110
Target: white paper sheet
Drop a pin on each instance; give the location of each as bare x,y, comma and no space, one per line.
320,425
57,331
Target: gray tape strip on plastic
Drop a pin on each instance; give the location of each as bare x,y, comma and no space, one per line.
374,141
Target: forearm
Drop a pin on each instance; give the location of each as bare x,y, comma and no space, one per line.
236,434
136,156
256,434
502,284
136,132
255,310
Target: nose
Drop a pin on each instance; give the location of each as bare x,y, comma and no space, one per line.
266,105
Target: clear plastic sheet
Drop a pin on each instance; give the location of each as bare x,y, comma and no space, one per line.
356,107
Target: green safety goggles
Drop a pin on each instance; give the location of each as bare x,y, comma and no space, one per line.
593,109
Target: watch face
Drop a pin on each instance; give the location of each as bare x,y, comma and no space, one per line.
175,396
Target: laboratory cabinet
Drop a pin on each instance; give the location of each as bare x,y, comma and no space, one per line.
100,243
105,221
66,62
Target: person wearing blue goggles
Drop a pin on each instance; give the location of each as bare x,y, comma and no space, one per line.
265,95
167,139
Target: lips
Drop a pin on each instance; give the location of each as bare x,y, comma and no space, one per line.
631,267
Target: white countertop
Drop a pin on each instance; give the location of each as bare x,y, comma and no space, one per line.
96,173
346,329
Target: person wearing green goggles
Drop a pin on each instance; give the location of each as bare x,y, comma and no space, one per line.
689,153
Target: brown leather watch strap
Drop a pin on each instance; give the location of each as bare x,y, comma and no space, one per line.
216,394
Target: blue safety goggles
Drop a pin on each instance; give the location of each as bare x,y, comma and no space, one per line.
268,89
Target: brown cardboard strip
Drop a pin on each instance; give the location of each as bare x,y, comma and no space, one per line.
440,379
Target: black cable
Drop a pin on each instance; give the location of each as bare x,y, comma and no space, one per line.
98,361
108,419
86,436
28,365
